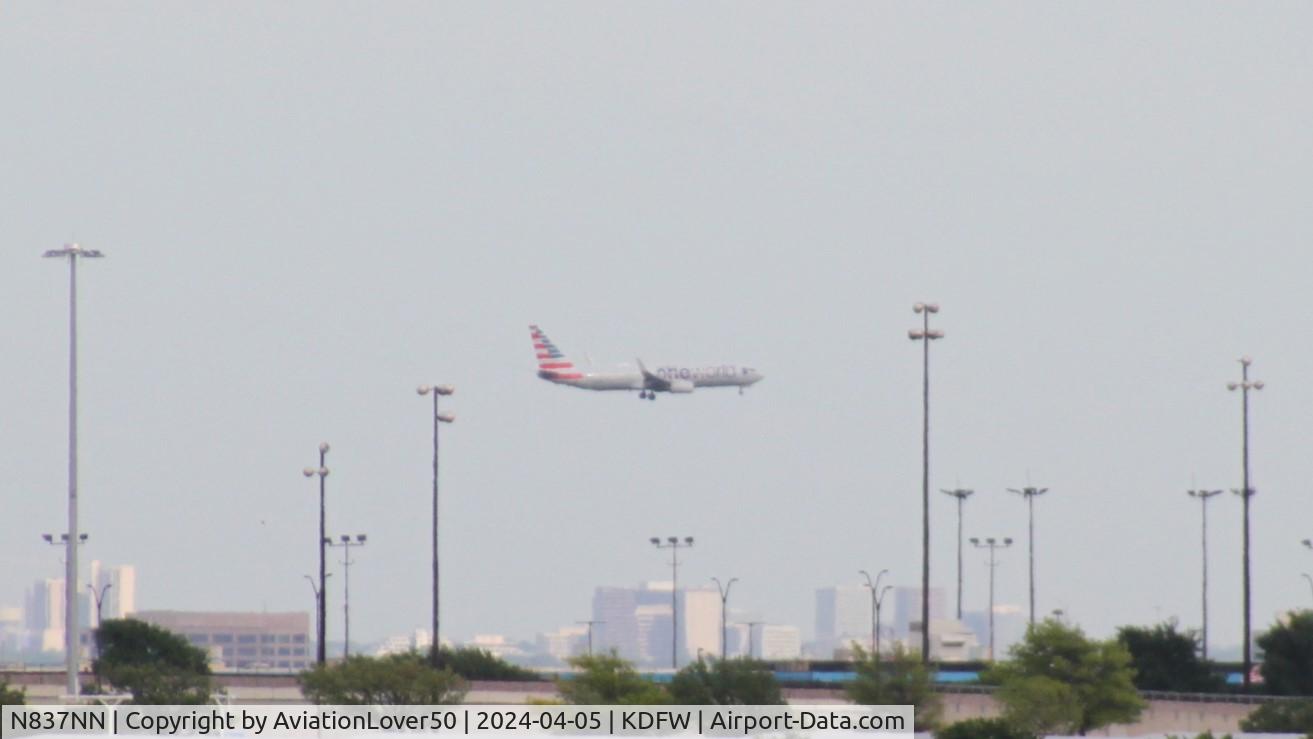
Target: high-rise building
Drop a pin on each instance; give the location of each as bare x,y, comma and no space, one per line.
843,615
119,586
637,622
44,615
907,612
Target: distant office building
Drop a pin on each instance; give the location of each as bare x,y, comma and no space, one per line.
907,610
419,640
13,633
699,621
43,614
498,646
565,642
242,641
119,585
950,640
775,641
637,622
843,615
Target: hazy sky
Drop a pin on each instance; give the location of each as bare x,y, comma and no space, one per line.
309,208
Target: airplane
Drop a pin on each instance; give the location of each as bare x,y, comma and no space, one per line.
556,368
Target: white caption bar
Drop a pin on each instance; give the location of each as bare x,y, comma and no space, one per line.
277,722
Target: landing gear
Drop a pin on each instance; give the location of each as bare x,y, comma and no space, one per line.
648,394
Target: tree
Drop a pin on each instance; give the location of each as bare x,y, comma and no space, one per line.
982,728
1087,683
1167,659
473,663
396,679
1284,716
897,680
607,680
11,696
156,666
743,681
1288,656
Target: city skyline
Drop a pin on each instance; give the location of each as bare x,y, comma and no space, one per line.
312,210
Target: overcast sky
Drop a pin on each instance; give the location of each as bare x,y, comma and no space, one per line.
309,208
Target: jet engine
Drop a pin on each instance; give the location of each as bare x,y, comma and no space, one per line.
681,386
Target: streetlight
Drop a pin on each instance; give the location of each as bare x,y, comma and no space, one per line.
1203,496
992,545
925,334
1310,581
877,598
72,647
751,625
347,542
320,653
1030,493
99,597
1246,491
318,599
961,494
591,623
724,606
674,544
435,651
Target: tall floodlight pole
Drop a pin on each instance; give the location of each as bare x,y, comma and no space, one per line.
1030,494
876,597
724,607
1246,491
992,545
346,542
1203,496
439,418
321,655
961,494
925,335
674,544
72,647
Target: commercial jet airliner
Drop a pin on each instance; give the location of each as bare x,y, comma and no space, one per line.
554,367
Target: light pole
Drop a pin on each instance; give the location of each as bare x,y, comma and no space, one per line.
961,494
439,418
1310,581
751,625
724,606
1030,494
346,542
992,545
318,600
99,597
590,623
877,596
1203,496
72,649
674,544
1246,491
925,335
321,655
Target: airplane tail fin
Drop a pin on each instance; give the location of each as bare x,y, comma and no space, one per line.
552,362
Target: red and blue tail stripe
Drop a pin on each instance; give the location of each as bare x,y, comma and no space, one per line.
552,362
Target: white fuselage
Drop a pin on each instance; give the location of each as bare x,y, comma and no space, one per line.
724,375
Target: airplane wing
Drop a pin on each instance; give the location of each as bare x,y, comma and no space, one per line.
651,381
